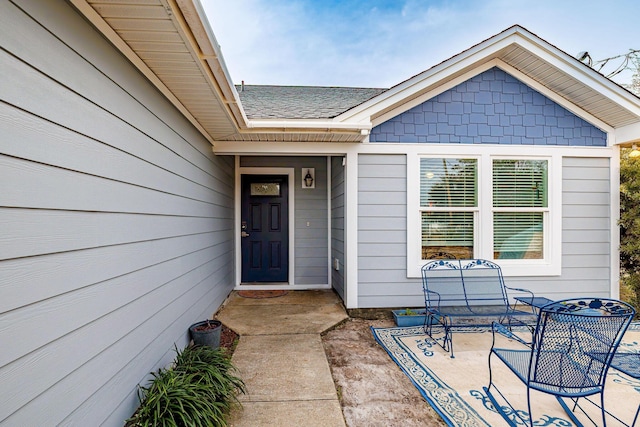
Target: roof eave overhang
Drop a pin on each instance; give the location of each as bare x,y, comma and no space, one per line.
189,21
628,135
491,52
196,25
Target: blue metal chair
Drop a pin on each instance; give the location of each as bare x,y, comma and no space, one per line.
568,357
628,363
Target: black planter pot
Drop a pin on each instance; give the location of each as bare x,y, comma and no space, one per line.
208,333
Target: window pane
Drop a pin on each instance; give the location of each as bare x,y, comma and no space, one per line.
265,189
518,235
520,183
449,232
448,182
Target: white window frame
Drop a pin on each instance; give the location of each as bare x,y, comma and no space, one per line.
473,209
550,265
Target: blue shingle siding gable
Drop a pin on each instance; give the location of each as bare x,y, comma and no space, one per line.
490,108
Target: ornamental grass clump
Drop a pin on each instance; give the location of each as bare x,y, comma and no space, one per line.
199,390
214,368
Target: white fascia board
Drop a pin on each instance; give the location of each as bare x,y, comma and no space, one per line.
429,77
485,50
433,93
512,71
270,148
209,51
307,124
93,17
628,134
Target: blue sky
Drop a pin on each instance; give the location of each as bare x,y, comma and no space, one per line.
380,43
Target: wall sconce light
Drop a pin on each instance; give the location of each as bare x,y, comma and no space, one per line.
308,178
634,151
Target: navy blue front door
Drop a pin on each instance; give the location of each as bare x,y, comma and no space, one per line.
265,228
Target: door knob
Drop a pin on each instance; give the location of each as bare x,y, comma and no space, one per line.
244,234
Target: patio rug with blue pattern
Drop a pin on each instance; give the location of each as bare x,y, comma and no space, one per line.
453,387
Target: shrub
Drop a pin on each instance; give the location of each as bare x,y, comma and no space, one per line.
630,225
199,391
215,369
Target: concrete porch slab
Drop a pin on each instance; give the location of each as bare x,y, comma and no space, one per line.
284,367
311,297
281,359
299,312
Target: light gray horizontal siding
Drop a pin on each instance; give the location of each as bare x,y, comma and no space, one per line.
373,197
311,206
117,223
382,231
586,235
337,225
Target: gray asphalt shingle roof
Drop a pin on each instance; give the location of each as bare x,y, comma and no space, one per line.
301,102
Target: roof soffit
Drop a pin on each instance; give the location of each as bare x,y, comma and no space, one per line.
156,37
171,43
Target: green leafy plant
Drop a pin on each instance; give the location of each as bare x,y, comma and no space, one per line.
213,367
408,312
200,390
630,226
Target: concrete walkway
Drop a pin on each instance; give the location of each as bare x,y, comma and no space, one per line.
282,361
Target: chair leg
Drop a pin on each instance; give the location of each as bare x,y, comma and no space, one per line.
446,341
449,338
529,406
570,412
499,408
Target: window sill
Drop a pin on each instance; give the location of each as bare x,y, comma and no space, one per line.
510,268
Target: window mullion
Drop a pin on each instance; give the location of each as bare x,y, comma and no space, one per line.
485,213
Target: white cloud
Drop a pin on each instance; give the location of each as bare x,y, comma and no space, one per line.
295,43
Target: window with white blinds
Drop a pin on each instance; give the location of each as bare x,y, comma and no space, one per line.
520,203
448,182
486,204
518,235
519,183
448,204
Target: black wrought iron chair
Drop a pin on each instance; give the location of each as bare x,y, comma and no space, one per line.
570,353
629,364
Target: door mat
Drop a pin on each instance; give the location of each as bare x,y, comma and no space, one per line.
262,294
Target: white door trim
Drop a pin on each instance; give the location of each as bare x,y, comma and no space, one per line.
290,172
